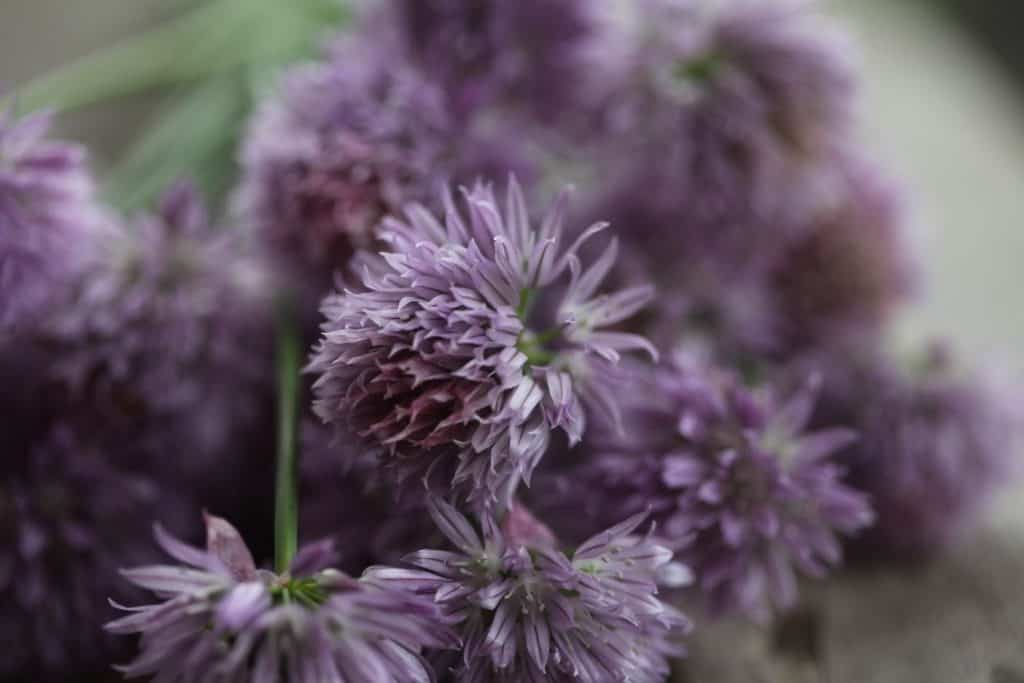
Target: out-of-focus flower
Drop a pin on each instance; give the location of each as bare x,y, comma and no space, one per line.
172,314
733,479
705,292
530,54
528,612
849,268
743,101
220,617
68,520
346,142
737,115
935,444
47,211
470,341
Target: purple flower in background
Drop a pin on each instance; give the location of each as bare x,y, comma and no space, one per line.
935,444
221,618
733,479
47,211
470,341
530,54
742,100
849,267
348,141
172,314
839,269
68,519
528,612
722,297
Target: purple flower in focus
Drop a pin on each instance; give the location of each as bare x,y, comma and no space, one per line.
733,479
348,141
528,612
528,54
47,211
470,341
221,618
68,519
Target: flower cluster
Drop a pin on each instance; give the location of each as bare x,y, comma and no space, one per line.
750,97
470,341
697,343
737,484
220,616
528,612
342,148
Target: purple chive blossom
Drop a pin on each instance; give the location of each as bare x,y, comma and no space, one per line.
529,54
733,480
935,444
751,94
528,612
849,269
170,315
47,210
68,520
221,618
470,341
348,141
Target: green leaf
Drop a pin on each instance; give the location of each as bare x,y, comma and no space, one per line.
195,138
216,37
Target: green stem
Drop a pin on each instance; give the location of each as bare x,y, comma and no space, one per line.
286,515
527,296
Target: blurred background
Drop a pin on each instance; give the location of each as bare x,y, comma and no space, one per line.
944,82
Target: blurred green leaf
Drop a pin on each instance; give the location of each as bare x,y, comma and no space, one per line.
217,37
196,137
220,56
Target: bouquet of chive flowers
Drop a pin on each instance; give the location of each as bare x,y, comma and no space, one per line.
521,326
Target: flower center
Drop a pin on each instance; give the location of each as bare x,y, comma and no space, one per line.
699,70
535,346
540,348
305,591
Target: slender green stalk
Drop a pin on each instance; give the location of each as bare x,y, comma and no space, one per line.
286,513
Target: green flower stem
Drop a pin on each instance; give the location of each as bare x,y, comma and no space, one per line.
286,513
